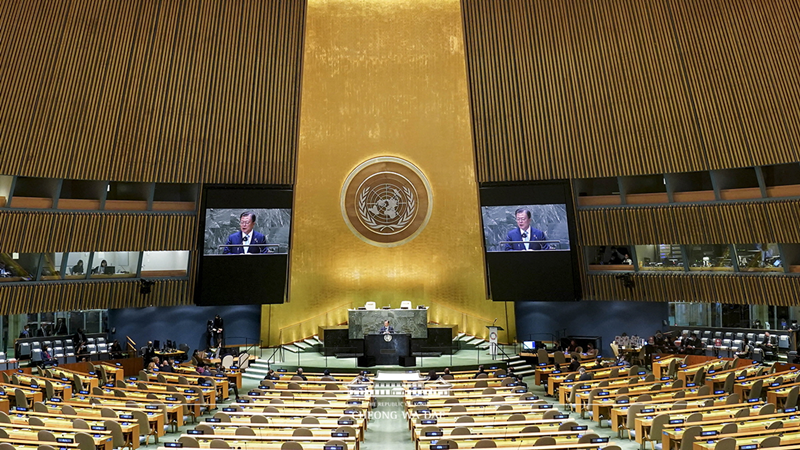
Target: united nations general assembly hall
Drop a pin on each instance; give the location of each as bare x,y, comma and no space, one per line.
399,224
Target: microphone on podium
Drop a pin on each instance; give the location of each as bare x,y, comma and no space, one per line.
495,321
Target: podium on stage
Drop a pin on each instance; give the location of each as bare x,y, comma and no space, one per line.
493,340
388,349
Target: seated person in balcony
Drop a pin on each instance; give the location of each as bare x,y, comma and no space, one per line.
746,351
26,332
78,269
757,324
101,268
5,271
524,236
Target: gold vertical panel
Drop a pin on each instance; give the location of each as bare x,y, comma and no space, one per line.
385,78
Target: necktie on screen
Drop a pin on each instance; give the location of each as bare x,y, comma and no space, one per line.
244,239
524,234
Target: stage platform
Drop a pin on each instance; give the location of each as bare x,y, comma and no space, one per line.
312,361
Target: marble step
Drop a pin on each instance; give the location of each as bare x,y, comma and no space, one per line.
291,348
458,338
475,341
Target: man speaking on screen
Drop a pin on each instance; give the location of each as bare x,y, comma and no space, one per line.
242,241
524,236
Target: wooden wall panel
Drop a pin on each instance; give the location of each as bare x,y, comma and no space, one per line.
723,223
171,91
46,297
24,232
609,87
712,288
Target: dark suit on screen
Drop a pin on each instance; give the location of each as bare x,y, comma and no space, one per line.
516,235
236,239
390,329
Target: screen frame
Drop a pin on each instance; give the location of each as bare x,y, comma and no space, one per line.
249,196
548,192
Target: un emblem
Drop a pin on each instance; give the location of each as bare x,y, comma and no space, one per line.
386,201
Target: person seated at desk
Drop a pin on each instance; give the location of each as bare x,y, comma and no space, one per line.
432,375
154,364
201,369
768,346
47,358
584,375
386,328
517,377
574,364
573,347
299,373
361,378
746,351
78,269
591,351
166,366
326,376
271,375
480,371
661,343
115,350
101,268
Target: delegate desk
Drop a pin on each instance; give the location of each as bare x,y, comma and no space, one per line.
387,349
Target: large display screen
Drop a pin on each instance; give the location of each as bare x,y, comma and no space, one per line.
528,233
245,235
254,231
511,228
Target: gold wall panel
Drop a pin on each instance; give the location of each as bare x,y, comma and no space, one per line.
168,91
385,78
623,87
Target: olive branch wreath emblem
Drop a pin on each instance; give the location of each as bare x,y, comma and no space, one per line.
405,219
